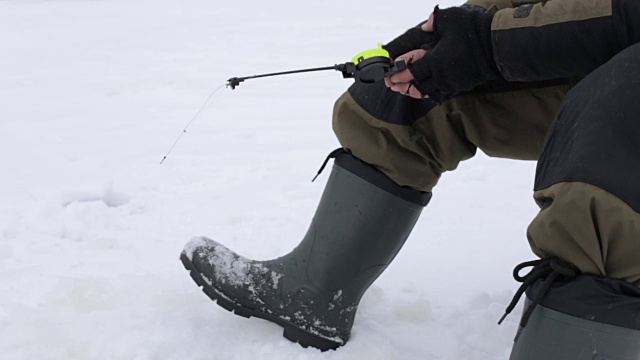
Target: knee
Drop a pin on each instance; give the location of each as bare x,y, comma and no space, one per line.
594,136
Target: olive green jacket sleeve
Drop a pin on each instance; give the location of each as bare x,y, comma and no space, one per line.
491,5
562,38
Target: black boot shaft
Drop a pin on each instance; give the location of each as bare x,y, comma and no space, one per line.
355,234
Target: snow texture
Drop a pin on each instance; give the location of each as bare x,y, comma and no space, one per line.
94,93
230,268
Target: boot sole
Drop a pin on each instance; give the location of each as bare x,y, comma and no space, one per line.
291,332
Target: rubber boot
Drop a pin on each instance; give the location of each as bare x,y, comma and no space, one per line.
313,292
584,318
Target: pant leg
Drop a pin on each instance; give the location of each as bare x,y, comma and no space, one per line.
588,176
415,141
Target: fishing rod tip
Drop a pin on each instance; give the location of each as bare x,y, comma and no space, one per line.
233,82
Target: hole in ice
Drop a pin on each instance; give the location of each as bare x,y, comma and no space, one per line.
109,197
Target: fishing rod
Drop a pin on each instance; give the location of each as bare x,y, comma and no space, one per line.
367,67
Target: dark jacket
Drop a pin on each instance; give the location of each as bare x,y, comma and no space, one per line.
553,39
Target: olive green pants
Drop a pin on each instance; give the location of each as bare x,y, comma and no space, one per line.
414,143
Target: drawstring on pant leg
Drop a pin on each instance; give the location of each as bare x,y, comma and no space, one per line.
546,270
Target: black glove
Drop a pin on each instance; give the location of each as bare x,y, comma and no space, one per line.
412,39
462,58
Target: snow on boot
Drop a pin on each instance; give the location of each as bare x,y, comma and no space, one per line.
313,292
576,317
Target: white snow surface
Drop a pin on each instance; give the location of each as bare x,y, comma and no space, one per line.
92,95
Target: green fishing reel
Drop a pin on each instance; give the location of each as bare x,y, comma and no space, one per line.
367,67
371,66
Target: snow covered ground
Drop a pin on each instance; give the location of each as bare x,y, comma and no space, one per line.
93,94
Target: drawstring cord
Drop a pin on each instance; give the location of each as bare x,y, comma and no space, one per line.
547,270
331,155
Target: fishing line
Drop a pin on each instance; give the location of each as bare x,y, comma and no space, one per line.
184,131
